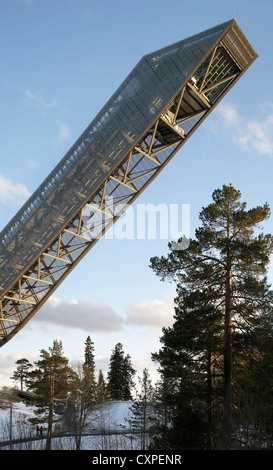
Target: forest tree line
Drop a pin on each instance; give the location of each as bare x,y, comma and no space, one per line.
216,360
73,391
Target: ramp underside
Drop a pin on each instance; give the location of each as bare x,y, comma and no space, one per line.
149,118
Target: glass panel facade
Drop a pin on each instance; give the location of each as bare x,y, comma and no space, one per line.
159,103
120,124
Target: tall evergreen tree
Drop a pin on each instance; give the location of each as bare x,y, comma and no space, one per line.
89,368
190,356
102,392
161,422
120,375
89,357
226,265
115,373
128,376
49,381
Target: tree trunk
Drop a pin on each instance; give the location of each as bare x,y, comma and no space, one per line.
79,428
51,411
227,407
209,402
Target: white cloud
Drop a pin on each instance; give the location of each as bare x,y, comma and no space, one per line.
229,113
8,366
38,100
256,133
92,317
98,317
155,314
12,192
64,133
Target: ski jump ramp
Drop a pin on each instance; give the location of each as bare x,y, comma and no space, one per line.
144,124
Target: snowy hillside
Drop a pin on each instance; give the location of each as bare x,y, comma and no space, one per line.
102,433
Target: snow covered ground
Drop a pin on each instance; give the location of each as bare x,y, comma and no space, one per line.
112,416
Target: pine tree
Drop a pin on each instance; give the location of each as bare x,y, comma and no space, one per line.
128,375
89,368
102,392
120,375
49,381
89,357
226,264
21,373
115,374
142,409
255,403
164,401
84,394
191,355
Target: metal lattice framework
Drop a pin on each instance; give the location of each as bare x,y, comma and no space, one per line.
157,108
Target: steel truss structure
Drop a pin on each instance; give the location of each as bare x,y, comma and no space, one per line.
149,118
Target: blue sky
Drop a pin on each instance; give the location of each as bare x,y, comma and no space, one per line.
60,61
